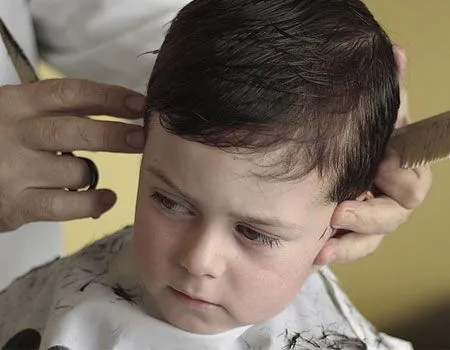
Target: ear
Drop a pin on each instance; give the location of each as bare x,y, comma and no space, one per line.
400,61
328,253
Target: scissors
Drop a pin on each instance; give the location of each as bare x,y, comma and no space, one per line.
28,75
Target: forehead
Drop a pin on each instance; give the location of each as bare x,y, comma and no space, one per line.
189,163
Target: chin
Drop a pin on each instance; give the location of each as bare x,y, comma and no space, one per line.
195,325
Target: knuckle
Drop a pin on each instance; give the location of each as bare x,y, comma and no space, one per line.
40,207
106,137
348,252
50,131
23,131
401,217
27,208
80,135
7,93
346,256
92,94
9,223
9,218
97,136
414,198
68,91
101,97
12,165
13,100
390,225
357,251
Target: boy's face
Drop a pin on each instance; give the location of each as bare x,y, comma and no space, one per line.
219,247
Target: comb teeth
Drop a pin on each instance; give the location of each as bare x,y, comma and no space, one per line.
424,142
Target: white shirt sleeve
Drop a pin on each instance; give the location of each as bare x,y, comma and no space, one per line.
103,40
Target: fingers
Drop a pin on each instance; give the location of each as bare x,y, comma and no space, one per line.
348,247
33,119
53,171
406,186
22,202
56,205
59,205
376,216
74,133
72,97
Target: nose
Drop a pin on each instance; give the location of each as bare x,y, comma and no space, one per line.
203,253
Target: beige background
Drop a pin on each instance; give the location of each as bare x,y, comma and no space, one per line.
410,274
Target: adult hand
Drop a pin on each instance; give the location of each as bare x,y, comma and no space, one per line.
365,223
40,119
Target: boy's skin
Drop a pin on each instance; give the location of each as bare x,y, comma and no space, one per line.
197,231
197,235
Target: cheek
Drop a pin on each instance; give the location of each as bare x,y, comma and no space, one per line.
268,286
153,246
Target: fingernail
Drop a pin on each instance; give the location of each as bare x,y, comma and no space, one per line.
135,103
107,200
136,139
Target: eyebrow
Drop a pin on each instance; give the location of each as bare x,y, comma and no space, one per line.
269,221
153,171
254,219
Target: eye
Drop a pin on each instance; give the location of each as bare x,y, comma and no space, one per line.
257,237
169,205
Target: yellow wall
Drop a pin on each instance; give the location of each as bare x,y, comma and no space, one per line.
411,270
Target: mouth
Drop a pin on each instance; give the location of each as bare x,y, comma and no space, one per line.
192,302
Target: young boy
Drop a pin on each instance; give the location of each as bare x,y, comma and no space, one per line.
262,116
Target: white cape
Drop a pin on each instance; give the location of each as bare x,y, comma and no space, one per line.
90,301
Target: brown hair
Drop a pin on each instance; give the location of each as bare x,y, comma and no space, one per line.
317,77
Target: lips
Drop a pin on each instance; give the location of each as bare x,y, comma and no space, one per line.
189,295
191,300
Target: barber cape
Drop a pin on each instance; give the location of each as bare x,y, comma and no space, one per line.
92,301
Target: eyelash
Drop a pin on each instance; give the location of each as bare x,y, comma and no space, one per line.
168,204
248,233
261,239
